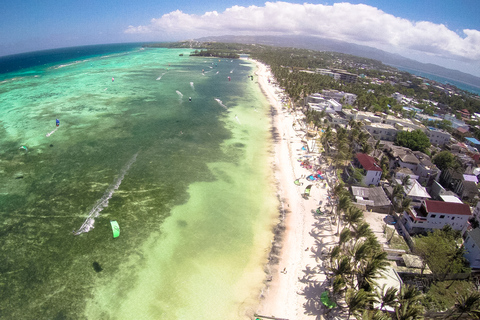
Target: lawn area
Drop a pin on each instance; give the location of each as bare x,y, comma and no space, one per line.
397,241
442,295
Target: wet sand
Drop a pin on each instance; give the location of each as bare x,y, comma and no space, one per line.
305,238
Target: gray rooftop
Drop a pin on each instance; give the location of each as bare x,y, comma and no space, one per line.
375,196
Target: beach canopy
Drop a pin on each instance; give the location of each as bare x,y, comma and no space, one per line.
326,300
307,189
297,182
115,228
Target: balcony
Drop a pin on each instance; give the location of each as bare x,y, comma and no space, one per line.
417,214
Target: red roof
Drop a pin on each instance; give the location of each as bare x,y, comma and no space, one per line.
447,207
368,163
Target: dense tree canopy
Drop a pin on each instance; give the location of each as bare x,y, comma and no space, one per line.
441,252
416,140
445,160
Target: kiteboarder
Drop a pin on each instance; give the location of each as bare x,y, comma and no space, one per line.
57,122
113,79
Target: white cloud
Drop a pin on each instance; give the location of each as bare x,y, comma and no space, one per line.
360,24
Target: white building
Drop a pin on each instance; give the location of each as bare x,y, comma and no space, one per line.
348,98
381,131
438,137
435,215
416,192
373,172
472,247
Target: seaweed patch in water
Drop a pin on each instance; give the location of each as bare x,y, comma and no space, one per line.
97,267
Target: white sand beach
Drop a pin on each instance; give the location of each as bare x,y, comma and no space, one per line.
306,236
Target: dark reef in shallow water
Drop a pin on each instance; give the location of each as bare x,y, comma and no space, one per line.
97,267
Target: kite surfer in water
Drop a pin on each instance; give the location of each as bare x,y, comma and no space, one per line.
57,122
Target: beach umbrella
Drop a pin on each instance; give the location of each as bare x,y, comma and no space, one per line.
297,182
307,190
326,300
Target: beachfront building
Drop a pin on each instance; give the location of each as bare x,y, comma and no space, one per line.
398,96
380,131
438,137
336,120
340,96
473,142
427,172
404,123
346,76
464,185
371,199
416,192
401,157
435,215
327,72
472,248
372,170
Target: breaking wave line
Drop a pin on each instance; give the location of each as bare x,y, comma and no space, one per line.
180,94
52,132
220,102
103,202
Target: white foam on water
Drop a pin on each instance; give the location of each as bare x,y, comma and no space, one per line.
179,94
220,102
52,132
217,72
231,71
103,202
191,85
237,119
160,76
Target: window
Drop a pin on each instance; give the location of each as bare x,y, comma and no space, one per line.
433,215
442,216
453,218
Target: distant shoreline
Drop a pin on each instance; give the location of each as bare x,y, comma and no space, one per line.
462,85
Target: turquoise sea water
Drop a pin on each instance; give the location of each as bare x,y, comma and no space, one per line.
188,181
461,85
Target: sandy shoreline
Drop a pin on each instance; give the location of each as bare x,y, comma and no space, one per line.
305,236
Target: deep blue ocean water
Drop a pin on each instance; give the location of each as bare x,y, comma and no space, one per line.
31,60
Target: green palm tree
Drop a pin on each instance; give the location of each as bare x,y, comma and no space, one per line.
406,181
339,285
408,310
335,252
353,216
359,252
404,204
375,315
370,270
341,267
344,201
344,237
357,301
363,230
366,148
387,296
469,304
409,305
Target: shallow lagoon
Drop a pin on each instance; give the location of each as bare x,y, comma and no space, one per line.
195,206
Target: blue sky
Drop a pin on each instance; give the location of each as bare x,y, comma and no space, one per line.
429,31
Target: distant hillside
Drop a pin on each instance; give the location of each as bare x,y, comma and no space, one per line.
322,44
